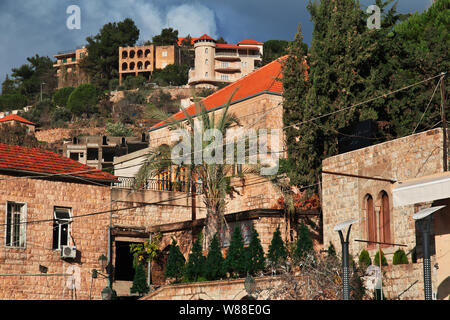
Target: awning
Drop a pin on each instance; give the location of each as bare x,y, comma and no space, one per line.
424,189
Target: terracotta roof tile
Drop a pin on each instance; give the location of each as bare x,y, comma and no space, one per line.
265,79
250,41
46,162
15,117
205,37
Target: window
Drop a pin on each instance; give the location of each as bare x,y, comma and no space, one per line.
371,221
164,53
385,218
61,219
206,61
206,74
224,64
16,214
206,50
224,77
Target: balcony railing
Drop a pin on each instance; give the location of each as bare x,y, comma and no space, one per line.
159,185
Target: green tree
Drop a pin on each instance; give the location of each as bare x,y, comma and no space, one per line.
83,99
331,251
173,74
364,259
235,262
376,260
168,37
274,49
255,258
195,266
277,250
214,264
8,86
175,263
118,129
304,242
12,101
399,257
101,63
61,96
140,285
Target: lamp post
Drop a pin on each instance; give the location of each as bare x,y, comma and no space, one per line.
345,267
41,89
423,217
103,263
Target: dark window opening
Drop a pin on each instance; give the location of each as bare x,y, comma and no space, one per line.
61,221
75,156
92,154
124,270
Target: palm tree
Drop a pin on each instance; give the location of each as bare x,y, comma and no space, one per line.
212,175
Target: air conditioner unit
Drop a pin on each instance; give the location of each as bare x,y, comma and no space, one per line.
68,252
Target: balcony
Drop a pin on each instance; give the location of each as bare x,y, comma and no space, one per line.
159,185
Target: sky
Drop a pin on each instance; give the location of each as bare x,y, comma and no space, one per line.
29,27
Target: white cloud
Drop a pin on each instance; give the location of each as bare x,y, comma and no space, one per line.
193,19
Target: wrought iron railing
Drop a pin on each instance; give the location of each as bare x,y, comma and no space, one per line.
159,185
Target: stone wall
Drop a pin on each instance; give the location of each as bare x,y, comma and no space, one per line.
89,236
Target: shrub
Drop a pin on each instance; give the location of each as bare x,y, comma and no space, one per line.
175,262
255,254
235,260
364,259
83,99
61,115
400,257
195,267
376,261
304,242
131,83
140,285
331,251
277,250
61,96
13,101
214,264
118,129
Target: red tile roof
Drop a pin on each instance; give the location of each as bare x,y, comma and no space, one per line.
15,117
250,41
205,37
234,46
46,162
266,79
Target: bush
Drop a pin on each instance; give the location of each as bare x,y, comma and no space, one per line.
132,82
304,242
173,74
118,129
12,102
376,261
277,251
364,259
140,285
61,115
331,251
235,262
195,267
214,264
400,257
175,262
61,96
83,99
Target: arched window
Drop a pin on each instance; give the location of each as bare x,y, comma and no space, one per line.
132,54
147,53
371,221
124,54
124,66
206,62
385,218
140,65
140,53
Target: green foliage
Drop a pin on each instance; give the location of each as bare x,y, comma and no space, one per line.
304,242
175,262
331,251
61,96
195,266
134,82
12,101
277,250
8,86
364,259
59,116
83,99
103,48
168,37
273,49
118,129
140,285
214,264
235,262
173,74
255,254
145,252
376,260
400,257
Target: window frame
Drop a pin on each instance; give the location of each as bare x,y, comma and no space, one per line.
11,226
59,226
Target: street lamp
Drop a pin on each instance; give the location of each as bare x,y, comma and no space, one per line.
423,217
102,261
106,293
41,89
345,271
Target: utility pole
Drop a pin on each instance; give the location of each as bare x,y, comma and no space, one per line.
444,122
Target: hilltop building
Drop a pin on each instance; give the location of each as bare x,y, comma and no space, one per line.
68,72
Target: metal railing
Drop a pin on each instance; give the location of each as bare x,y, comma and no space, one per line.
159,185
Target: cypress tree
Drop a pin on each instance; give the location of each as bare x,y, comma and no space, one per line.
376,260
196,262
364,259
175,262
214,265
255,254
399,257
304,242
277,251
140,281
235,261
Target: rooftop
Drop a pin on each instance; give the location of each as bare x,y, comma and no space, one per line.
35,160
251,41
15,117
264,80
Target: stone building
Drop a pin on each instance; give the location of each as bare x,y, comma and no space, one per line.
53,228
14,119
68,72
217,63
257,105
371,185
